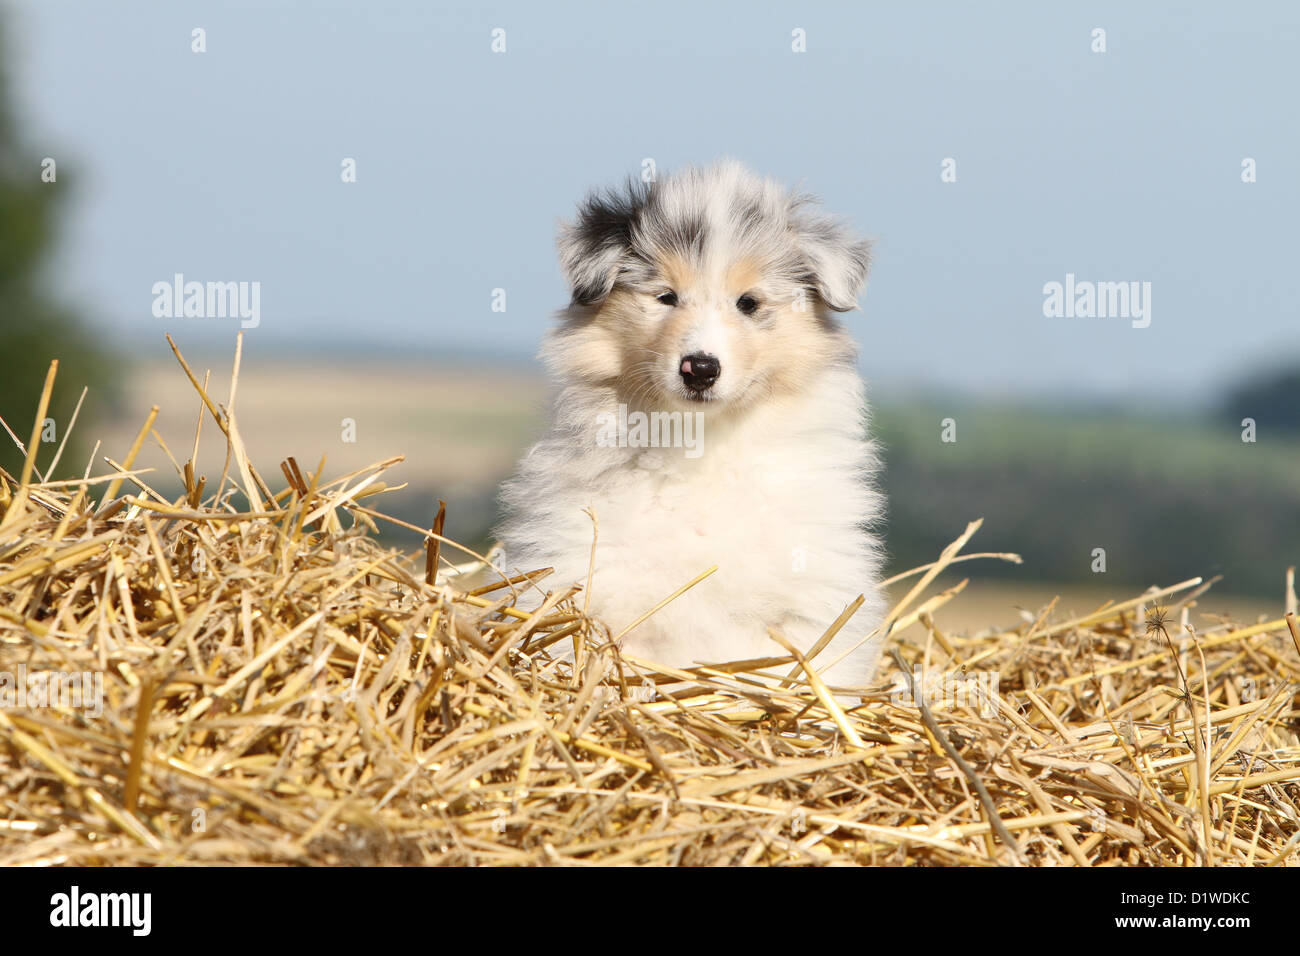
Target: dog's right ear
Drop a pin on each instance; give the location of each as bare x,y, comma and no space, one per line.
593,246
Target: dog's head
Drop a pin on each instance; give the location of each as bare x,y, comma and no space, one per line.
707,290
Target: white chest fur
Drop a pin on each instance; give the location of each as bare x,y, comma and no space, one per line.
776,499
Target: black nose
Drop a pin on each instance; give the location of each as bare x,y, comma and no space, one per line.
699,371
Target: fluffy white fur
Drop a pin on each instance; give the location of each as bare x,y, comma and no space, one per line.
780,494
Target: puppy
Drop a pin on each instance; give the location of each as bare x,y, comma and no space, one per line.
709,413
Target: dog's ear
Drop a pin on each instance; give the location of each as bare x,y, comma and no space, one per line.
593,246
836,259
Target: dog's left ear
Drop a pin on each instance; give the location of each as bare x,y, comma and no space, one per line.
837,260
593,246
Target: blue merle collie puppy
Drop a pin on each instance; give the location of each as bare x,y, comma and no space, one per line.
709,413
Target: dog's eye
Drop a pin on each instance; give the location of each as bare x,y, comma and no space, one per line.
667,298
747,304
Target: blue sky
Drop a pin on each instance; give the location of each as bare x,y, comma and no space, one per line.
1115,166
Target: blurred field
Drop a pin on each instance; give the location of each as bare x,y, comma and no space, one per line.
1167,495
989,604
461,428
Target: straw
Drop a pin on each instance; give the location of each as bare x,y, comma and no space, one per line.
281,688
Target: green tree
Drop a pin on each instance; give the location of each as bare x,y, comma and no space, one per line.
35,326
1272,400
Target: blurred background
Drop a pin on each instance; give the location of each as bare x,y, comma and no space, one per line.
387,180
